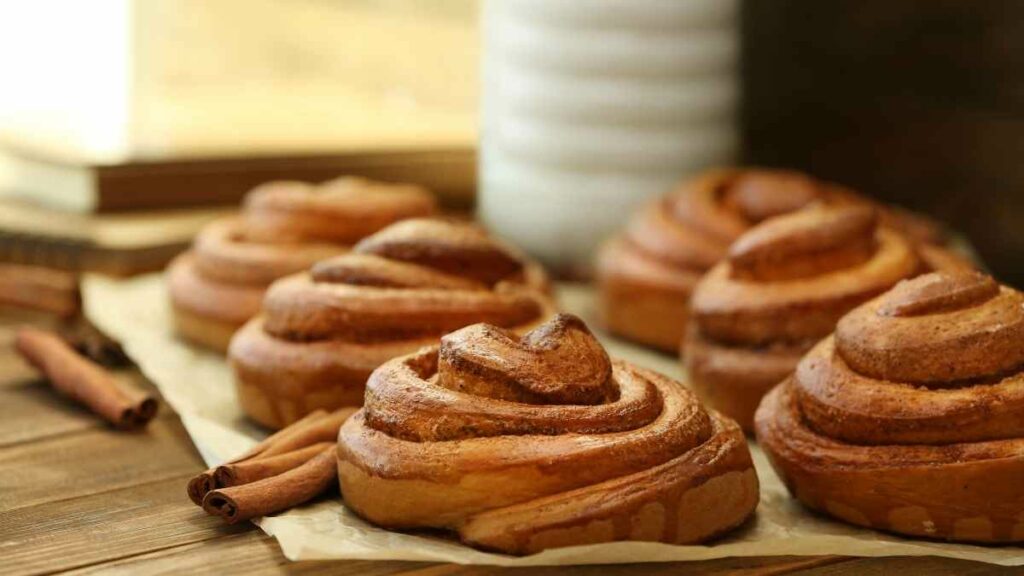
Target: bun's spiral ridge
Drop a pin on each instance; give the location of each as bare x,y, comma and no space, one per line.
342,211
323,331
285,227
911,417
783,287
520,444
647,274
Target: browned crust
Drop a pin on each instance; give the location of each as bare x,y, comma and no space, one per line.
746,312
323,332
655,231
207,312
911,417
645,464
220,301
203,331
748,333
223,253
285,379
804,244
641,298
279,381
697,496
967,492
276,411
559,362
733,379
342,211
285,228
464,250
300,308
854,408
647,274
403,405
980,341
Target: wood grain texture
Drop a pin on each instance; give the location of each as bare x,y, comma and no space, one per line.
92,461
32,410
90,530
249,552
769,566
911,565
75,495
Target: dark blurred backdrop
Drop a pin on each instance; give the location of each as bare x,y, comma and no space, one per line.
916,102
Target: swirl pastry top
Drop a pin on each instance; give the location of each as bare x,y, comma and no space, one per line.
342,211
284,228
415,279
784,286
287,226
404,287
224,251
693,227
520,444
647,274
911,417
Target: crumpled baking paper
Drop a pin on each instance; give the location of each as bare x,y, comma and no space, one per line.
197,384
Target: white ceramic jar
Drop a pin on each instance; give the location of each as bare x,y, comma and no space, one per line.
591,106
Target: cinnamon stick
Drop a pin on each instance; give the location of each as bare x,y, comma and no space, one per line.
275,493
316,427
83,380
205,480
322,429
249,471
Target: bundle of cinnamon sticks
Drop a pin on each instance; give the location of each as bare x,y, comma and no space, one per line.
290,467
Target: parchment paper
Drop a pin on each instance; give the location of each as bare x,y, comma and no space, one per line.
198,386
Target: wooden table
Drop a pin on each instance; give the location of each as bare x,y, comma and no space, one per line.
77,496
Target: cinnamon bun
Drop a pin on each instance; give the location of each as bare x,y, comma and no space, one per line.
910,418
518,444
323,331
783,287
284,228
647,274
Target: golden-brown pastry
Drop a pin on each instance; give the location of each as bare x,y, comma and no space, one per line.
284,228
322,332
910,419
521,444
783,287
647,274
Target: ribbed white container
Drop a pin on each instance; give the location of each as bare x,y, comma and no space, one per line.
591,106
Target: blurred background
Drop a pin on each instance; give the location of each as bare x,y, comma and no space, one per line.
124,125
919,103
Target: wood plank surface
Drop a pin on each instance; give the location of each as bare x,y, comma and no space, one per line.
78,496
92,461
908,566
110,525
